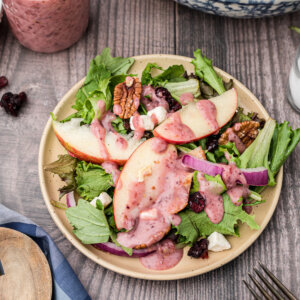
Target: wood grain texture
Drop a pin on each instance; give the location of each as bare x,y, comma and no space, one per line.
257,52
27,275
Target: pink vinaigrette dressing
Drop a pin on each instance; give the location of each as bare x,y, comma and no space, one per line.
178,129
113,169
214,206
209,113
99,132
47,25
138,126
165,257
100,127
155,216
186,98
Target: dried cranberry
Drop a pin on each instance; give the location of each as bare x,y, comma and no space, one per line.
126,125
199,249
246,208
3,82
212,143
196,202
13,102
173,236
165,94
147,135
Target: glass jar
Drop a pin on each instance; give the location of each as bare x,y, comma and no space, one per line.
47,25
294,83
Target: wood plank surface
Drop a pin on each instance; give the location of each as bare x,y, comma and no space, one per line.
258,52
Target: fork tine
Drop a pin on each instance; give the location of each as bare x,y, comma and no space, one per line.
262,290
1,269
267,283
252,290
278,283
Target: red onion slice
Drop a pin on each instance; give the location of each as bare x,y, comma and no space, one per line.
114,249
256,176
71,199
202,165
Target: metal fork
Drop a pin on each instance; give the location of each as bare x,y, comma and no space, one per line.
288,294
1,269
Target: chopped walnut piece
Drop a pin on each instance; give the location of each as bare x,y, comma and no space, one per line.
247,131
127,97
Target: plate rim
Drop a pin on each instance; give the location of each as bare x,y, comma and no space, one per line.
157,276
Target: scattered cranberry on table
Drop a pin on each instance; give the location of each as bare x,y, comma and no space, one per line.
3,82
13,102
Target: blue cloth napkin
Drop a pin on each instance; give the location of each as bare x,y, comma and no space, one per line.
66,285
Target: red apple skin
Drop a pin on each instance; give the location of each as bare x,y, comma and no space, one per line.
176,208
156,134
83,156
114,197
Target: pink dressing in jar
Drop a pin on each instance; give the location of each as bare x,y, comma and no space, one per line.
47,25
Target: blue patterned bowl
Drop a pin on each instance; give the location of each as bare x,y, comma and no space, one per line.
243,8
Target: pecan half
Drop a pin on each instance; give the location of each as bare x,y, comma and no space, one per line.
127,97
247,131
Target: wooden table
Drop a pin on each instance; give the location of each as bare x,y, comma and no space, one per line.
257,52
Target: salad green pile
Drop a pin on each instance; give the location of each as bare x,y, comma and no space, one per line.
274,143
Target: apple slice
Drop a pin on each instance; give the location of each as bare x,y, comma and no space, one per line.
143,179
191,124
83,144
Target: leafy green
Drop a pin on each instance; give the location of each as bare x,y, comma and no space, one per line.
219,186
172,74
90,224
109,213
240,116
58,204
219,154
295,28
91,180
178,88
113,237
142,109
105,72
183,148
284,141
195,225
216,184
116,65
205,71
118,125
256,155
195,184
255,196
64,167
